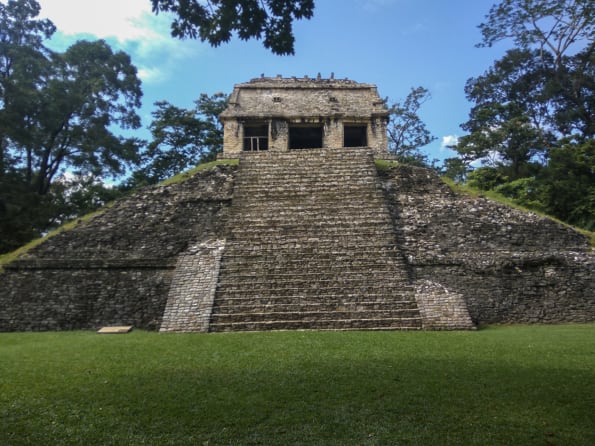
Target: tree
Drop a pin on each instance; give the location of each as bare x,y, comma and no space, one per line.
455,169
215,21
90,90
552,25
562,33
511,117
23,65
406,131
58,112
573,95
568,183
531,103
537,93
75,195
182,138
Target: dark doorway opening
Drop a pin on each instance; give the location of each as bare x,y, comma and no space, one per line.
256,137
305,137
355,136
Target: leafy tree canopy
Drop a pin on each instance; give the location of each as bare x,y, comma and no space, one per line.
551,25
215,21
532,122
407,133
182,138
58,113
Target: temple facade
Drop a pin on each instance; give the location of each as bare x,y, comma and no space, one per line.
281,114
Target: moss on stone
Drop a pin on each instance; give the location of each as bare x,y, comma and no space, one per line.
384,165
183,176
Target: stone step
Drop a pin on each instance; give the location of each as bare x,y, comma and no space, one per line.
339,175
307,271
315,285
306,192
308,249
325,237
284,224
321,202
306,266
321,290
310,283
297,304
278,260
310,211
337,324
311,246
306,156
308,168
326,296
346,178
339,169
332,244
285,221
230,318
248,272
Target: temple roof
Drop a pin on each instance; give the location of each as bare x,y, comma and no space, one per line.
291,98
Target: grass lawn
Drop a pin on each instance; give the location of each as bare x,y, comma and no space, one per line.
517,385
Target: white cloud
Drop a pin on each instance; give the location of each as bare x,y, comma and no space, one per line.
151,74
128,25
449,140
120,19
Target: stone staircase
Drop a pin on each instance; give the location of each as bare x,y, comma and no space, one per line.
311,246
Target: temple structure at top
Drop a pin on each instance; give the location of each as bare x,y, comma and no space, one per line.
281,114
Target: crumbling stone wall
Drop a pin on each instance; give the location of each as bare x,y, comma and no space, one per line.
280,103
192,292
509,265
117,267
66,295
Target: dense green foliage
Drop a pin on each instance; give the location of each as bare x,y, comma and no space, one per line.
525,385
182,138
532,124
57,115
215,21
530,129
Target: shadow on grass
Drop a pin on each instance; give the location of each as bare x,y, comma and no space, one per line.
330,389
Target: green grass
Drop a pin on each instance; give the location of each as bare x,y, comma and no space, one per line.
383,165
189,173
517,385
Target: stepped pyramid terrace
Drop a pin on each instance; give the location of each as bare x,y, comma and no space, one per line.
305,229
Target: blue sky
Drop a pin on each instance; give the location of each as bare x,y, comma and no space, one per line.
395,44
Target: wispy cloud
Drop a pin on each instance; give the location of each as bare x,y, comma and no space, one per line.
128,25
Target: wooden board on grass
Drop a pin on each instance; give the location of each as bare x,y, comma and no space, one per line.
115,330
